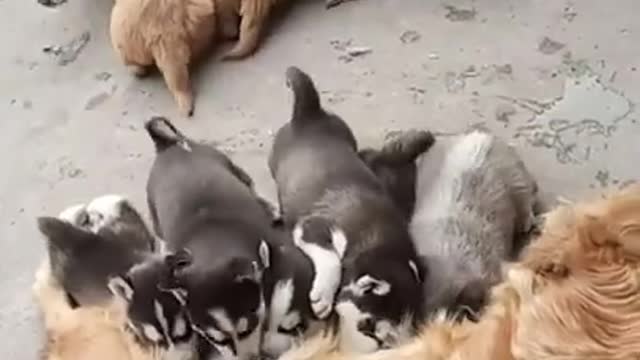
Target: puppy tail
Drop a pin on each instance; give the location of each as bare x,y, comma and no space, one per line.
306,101
163,133
402,150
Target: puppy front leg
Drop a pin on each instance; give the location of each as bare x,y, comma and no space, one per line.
324,245
174,66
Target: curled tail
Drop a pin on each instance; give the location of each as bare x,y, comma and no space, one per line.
163,133
402,150
306,101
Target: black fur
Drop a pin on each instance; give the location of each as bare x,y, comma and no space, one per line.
83,261
321,179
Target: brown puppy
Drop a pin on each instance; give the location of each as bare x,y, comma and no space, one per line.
172,34
573,296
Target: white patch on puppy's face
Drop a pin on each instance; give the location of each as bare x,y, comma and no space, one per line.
327,269
234,340
352,339
367,284
284,323
104,210
73,214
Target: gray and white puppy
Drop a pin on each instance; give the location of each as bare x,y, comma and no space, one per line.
89,243
204,208
475,200
346,222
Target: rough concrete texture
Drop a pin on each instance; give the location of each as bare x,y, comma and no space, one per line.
557,78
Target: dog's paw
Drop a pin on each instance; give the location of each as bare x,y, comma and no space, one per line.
138,70
325,285
321,303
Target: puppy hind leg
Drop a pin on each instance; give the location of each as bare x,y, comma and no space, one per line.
324,246
173,63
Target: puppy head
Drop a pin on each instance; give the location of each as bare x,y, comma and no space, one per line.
224,302
155,318
395,167
87,242
379,303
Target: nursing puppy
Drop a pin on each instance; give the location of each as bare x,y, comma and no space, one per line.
474,201
218,234
89,243
344,220
573,296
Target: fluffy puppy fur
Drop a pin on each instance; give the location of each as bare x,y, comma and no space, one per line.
346,222
172,34
84,333
574,295
89,243
474,198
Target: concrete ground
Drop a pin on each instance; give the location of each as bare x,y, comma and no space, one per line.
557,78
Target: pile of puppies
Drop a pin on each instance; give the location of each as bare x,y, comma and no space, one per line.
366,244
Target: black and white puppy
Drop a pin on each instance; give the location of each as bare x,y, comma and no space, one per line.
475,201
345,221
89,243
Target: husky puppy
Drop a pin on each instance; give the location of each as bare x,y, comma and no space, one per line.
343,218
89,243
217,276
474,200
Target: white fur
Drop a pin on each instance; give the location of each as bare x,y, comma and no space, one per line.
72,213
275,343
151,333
180,326
263,251
327,276
120,288
414,269
367,282
162,320
351,339
339,241
246,348
104,210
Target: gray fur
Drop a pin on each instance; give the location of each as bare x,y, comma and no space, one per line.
475,198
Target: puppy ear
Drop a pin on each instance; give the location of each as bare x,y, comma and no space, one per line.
418,269
63,235
121,287
263,251
245,270
368,156
378,287
174,264
178,260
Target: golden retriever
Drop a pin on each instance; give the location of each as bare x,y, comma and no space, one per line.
85,333
574,295
172,34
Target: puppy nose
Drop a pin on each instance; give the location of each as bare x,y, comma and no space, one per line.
367,326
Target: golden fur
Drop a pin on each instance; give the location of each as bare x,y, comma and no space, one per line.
574,295
172,34
87,333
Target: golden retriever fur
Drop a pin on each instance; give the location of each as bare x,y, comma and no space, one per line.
86,333
574,295
172,34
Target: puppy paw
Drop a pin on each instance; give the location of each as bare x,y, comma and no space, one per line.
325,285
321,303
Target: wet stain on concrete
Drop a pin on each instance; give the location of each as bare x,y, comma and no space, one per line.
578,123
